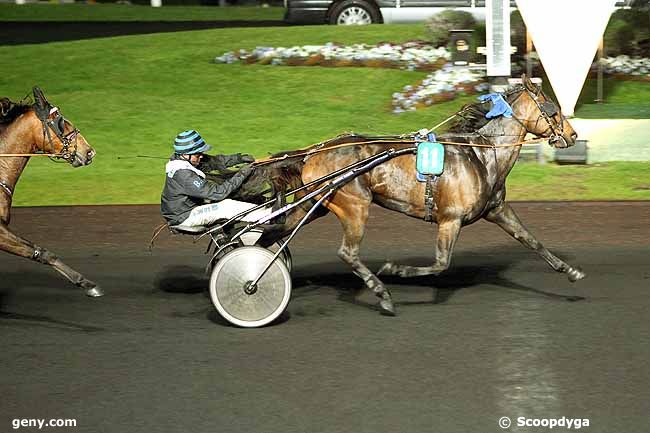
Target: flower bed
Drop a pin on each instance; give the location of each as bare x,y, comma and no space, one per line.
440,86
627,68
619,67
412,56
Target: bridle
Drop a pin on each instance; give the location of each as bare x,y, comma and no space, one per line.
51,118
54,120
548,110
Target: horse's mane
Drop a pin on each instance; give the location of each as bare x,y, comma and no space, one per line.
10,110
471,117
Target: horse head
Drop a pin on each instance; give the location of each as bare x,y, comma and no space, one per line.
57,135
546,119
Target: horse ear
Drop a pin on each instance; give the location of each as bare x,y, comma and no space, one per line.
527,83
39,98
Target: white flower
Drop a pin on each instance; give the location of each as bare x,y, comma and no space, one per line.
626,65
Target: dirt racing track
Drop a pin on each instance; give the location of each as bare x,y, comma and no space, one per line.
495,336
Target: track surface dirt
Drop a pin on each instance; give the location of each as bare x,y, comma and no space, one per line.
494,336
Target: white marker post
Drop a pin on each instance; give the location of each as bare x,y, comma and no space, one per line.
156,3
566,35
497,35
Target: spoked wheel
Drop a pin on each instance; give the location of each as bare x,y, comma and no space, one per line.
242,304
251,237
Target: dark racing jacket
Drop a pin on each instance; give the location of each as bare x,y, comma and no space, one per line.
186,186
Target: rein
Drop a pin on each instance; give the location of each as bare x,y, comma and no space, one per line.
546,112
390,141
51,155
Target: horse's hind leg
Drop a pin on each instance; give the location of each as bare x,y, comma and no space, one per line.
13,244
447,235
353,214
506,218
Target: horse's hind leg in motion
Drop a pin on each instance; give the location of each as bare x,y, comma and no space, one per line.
352,212
506,218
447,235
13,244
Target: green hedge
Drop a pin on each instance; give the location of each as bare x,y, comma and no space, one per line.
628,32
438,26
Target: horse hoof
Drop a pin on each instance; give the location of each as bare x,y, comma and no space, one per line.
386,308
94,292
575,274
388,268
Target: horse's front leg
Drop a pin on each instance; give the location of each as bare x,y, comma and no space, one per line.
506,218
13,244
447,235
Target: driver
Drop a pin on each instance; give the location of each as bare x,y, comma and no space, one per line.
186,187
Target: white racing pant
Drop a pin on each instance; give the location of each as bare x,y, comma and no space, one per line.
207,214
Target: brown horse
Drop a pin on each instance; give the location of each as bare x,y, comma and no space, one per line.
471,187
24,130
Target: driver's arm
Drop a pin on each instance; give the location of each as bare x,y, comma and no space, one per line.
221,162
196,186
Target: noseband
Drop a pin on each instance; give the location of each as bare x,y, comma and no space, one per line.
53,120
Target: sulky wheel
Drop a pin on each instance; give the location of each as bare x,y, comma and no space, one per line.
285,255
233,296
251,237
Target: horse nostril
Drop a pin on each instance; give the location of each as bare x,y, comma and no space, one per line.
91,154
574,136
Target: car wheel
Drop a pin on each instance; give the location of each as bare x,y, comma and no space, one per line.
354,12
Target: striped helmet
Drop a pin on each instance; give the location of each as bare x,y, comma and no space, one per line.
190,142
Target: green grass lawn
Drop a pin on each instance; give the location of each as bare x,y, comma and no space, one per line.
131,95
623,100
115,12
602,181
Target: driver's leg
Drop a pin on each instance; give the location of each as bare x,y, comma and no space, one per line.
207,214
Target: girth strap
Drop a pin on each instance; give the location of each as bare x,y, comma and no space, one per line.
429,203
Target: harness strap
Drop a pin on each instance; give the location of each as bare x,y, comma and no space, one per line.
429,203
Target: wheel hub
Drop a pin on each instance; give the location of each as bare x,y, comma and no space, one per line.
354,16
250,288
